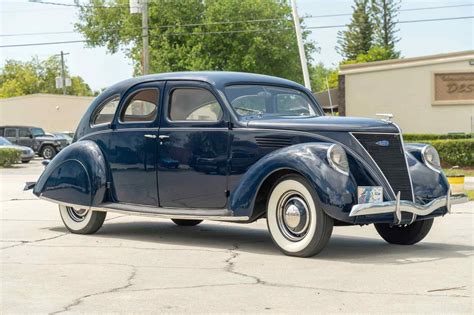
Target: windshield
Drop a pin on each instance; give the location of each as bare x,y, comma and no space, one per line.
37,132
251,100
4,141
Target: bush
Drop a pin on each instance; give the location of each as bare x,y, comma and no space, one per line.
454,152
9,156
452,136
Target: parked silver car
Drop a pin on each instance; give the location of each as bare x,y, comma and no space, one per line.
27,154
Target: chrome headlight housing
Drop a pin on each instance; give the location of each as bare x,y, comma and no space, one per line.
431,158
337,158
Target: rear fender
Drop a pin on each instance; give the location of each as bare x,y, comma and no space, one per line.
77,175
336,192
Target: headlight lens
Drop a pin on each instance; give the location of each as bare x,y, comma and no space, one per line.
431,158
337,158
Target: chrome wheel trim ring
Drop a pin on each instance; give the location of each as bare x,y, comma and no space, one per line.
293,216
77,215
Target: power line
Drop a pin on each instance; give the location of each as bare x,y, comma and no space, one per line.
238,31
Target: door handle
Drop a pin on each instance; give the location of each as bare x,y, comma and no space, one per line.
150,136
163,138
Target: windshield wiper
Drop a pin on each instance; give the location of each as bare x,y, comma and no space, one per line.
250,110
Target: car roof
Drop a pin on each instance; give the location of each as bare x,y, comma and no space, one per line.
216,78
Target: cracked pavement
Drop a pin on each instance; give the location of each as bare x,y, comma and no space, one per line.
149,265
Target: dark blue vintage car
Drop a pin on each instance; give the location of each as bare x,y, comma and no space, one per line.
239,147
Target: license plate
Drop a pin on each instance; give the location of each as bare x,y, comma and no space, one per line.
369,194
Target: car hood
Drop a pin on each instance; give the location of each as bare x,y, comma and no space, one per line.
323,123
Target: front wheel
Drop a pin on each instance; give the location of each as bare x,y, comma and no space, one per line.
81,221
404,234
48,152
296,224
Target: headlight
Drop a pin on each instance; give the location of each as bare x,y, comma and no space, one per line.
337,158
431,158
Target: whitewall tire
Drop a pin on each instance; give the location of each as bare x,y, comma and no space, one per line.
81,221
297,226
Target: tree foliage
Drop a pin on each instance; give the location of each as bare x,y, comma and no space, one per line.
200,35
358,37
385,13
319,74
35,76
372,32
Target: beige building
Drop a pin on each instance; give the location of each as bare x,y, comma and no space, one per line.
51,112
432,94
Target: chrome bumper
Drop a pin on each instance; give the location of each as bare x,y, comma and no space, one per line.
398,206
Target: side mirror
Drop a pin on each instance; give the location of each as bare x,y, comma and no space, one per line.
31,136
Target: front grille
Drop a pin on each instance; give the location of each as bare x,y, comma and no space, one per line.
387,151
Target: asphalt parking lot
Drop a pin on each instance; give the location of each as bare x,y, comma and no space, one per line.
148,265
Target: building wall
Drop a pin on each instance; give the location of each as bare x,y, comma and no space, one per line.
50,112
406,92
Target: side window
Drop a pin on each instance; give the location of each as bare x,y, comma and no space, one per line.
24,133
2,130
194,104
106,112
10,133
292,104
142,107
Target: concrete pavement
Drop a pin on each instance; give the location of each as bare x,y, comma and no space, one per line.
149,265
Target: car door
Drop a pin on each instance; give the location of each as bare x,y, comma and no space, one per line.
12,135
25,137
194,147
130,144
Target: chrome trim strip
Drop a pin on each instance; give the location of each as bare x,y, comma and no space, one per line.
153,214
406,161
398,206
387,183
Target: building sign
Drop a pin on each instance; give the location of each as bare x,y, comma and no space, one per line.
453,88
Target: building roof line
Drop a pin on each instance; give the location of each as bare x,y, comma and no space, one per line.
407,62
7,99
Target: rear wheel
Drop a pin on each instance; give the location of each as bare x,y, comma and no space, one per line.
404,234
182,222
297,226
82,221
48,152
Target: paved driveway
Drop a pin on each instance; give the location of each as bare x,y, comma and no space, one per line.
140,264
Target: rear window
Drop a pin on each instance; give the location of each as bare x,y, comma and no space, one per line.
106,112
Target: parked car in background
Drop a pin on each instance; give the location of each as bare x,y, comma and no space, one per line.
239,147
27,154
34,138
61,135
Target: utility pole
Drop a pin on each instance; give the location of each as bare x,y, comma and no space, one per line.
63,73
299,38
146,53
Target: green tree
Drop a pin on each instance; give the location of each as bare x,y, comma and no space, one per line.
200,35
385,13
376,53
357,38
318,75
34,76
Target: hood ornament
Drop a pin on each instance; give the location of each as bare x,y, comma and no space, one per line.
386,116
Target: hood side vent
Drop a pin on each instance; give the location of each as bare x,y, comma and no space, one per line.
274,141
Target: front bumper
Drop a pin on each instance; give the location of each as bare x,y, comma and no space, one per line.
398,206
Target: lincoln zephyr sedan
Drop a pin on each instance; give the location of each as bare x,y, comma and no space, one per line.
238,147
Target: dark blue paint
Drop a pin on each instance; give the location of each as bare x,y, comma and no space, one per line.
222,164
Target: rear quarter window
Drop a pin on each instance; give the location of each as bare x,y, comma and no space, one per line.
105,112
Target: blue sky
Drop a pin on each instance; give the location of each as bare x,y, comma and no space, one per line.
100,69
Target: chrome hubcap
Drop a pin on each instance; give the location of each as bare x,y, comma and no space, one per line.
77,215
47,153
293,216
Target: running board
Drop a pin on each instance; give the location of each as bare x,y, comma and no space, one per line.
171,213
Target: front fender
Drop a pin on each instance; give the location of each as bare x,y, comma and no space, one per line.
77,175
336,192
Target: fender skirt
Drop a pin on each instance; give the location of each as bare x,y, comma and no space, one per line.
77,175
